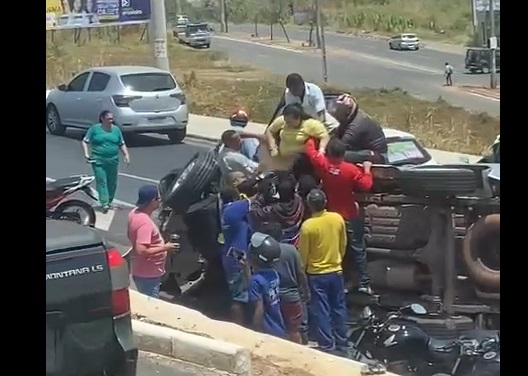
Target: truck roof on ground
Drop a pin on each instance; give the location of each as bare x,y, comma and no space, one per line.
68,235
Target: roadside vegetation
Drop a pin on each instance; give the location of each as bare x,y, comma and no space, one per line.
216,86
447,20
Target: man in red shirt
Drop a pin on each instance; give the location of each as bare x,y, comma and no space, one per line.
340,180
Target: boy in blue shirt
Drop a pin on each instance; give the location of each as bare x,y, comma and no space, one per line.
264,252
235,230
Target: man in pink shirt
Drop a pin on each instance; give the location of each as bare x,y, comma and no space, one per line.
149,250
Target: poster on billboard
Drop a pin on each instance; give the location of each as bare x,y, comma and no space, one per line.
62,14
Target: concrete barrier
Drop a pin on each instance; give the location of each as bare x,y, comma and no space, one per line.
193,349
270,356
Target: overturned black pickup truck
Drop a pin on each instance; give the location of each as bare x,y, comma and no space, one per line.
432,234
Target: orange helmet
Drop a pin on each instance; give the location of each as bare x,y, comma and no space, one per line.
239,118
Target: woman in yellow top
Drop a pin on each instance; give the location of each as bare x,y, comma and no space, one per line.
288,133
286,136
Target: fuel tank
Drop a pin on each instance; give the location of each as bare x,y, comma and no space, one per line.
403,339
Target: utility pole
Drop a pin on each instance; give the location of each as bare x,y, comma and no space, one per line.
320,28
178,7
493,45
223,18
158,26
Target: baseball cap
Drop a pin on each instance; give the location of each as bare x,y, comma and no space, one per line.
147,194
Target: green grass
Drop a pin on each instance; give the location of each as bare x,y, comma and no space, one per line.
216,86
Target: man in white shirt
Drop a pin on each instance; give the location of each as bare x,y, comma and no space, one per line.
311,98
448,74
230,158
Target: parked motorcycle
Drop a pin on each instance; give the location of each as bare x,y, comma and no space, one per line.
406,349
59,206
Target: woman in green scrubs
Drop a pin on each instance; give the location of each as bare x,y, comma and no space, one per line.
101,146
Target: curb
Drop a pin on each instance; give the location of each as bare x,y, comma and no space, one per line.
201,351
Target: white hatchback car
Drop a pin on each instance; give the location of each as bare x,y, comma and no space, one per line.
142,99
404,42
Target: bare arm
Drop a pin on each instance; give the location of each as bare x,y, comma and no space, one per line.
148,250
86,149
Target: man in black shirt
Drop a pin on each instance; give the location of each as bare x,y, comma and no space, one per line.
362,135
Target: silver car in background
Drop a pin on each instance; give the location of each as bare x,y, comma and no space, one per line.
142,99
404,42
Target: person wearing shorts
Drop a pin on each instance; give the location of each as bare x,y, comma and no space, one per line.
293,286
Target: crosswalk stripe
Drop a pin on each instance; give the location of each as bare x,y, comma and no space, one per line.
104,220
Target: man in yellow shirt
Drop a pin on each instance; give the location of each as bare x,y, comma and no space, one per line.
322,248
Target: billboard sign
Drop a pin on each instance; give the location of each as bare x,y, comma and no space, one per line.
62,14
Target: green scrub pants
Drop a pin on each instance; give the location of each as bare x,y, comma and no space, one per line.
106,173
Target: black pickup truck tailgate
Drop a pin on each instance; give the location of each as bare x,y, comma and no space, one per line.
79,317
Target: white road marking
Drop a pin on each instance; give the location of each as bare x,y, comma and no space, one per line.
138,178
104,221
260,44
483,96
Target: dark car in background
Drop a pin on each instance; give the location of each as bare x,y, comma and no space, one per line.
478,59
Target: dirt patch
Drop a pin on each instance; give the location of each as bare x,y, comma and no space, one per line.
483,91
215,86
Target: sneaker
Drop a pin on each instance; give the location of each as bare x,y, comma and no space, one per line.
105,209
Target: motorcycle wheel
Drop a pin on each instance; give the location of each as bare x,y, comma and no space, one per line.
85,210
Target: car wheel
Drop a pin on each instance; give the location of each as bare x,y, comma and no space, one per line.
177,136
195,177
390,46
399,47
481,251
53,121
440,181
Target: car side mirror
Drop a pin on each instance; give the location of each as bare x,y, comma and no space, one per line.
63,87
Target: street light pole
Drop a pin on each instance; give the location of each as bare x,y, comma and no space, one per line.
320,27
158,25
493,46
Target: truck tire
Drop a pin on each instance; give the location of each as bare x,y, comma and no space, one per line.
483,238
166,182
437,181
195,177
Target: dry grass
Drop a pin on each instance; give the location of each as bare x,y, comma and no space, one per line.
215,86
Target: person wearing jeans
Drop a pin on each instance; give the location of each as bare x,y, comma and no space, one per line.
322,247
340,181
149,250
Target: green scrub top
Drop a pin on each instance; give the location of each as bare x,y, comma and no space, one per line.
104,145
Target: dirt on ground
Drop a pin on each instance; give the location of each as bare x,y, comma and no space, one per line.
216,86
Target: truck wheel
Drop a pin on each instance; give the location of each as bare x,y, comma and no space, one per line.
437,181
481,251
195,177
167,181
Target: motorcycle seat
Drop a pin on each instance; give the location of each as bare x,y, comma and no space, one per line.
62,184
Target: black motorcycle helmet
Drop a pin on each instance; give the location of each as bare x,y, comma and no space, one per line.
264,250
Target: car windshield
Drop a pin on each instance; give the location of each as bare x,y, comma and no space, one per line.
197,28
148,82
406,151
409,36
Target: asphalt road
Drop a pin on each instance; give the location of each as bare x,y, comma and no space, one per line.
151,159
156,365
359,62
